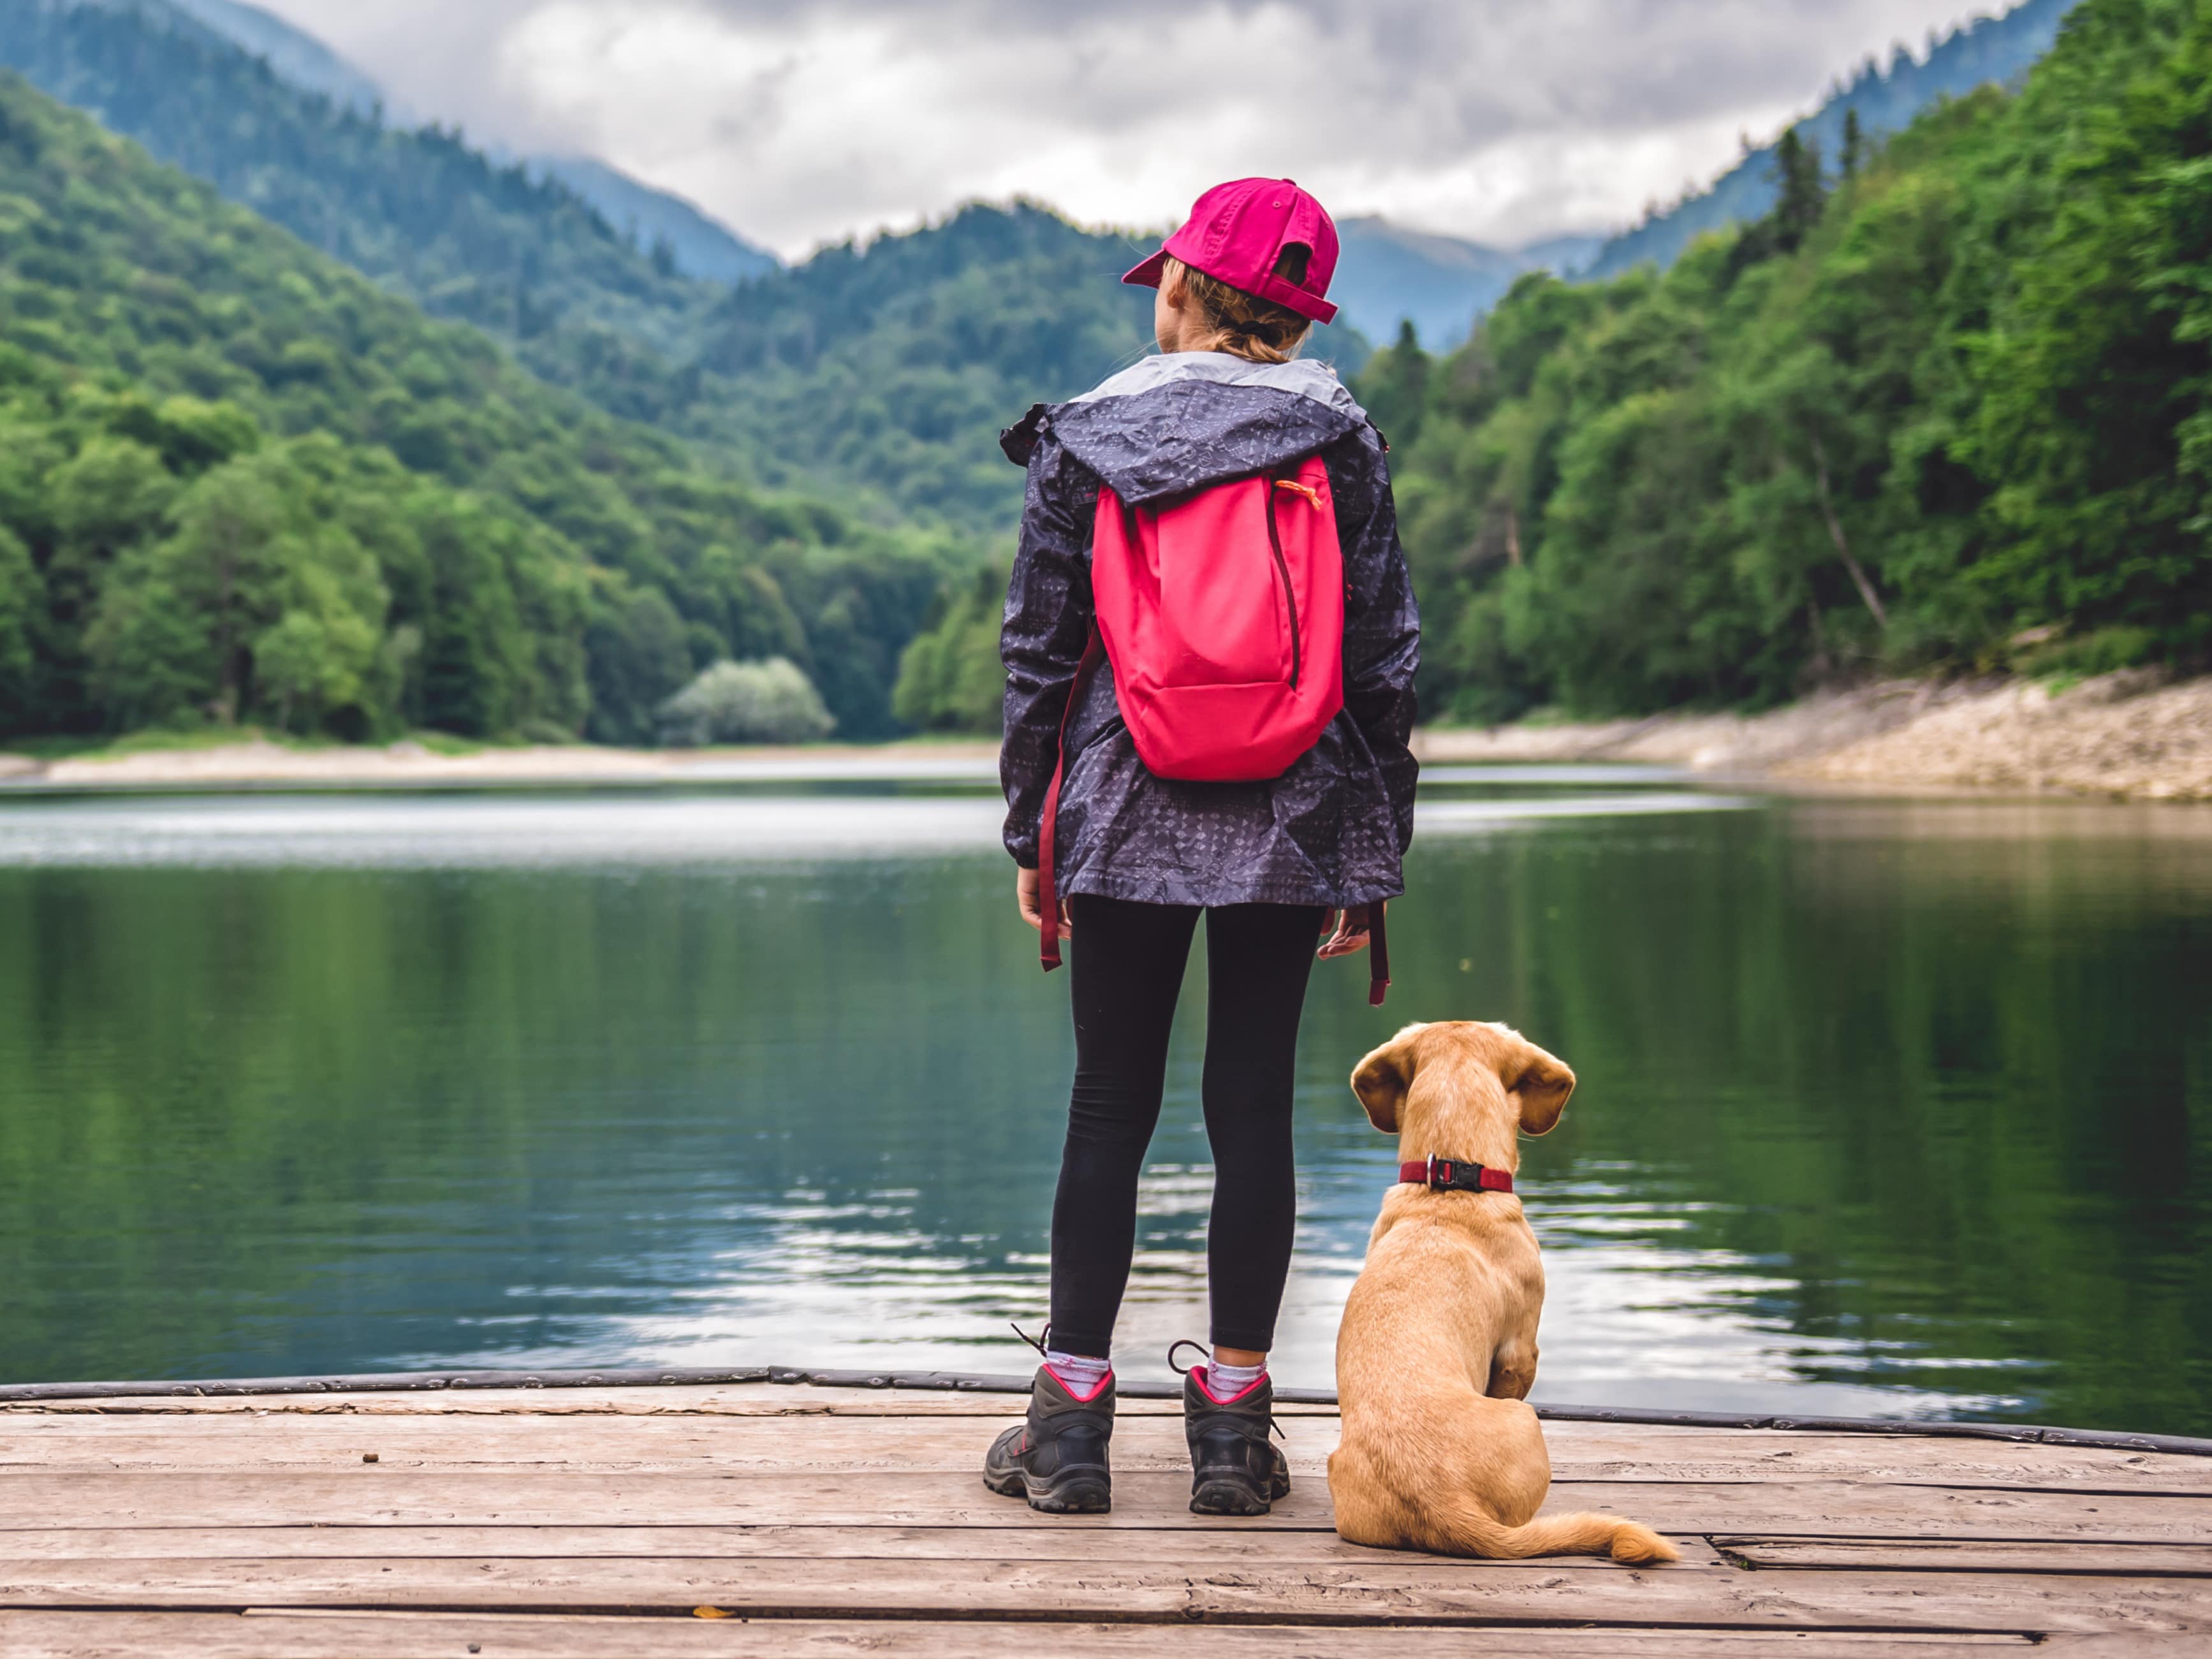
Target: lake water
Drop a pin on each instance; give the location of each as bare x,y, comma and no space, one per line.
1886,1107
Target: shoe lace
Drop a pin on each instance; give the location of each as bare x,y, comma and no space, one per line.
1273,1427
1185,1342
1037,1342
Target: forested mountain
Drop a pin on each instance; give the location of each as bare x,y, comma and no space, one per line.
1882,98
237,479
890,367
1955,410
512,252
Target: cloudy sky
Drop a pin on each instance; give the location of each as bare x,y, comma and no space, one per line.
802,121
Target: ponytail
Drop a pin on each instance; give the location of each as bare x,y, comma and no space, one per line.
1259,330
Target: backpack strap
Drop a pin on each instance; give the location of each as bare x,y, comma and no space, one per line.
1094,652
1378,955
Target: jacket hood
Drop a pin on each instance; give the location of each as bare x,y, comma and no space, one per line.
1185,419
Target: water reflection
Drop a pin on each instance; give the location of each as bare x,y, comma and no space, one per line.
476,832
1884,1108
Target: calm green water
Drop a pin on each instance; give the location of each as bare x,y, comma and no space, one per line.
1885,1108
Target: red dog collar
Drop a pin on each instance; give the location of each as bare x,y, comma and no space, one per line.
1444,1174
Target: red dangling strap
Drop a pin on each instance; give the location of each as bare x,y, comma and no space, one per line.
1378,955
1094,652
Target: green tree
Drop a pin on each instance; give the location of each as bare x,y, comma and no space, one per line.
640,659
177,635
22,600
1394,386
2093,425
951,679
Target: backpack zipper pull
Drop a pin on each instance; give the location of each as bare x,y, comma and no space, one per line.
1312,496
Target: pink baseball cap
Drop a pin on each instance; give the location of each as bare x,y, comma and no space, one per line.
1237,233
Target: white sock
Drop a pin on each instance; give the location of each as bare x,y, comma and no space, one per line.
1081,1373
1227,1381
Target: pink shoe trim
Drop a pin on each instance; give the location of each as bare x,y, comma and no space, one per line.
1206,1388
1078,1398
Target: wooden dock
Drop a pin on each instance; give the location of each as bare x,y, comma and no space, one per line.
760,1520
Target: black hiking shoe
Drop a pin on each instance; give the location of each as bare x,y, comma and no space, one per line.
1235,1469
1057,1459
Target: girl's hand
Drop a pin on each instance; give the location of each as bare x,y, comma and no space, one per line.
1025,898
1349,932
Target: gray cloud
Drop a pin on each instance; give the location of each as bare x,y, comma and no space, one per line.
804,120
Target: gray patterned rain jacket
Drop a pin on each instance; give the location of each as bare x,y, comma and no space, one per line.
1334,828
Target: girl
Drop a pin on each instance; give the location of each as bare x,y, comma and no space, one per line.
1140,856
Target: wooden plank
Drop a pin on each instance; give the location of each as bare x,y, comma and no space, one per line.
753,1399
1169,1541
410,1636
1586,1452
956,1445
1413,1588
1604,1452
357,1494
1925,1555
953,1444
613,1445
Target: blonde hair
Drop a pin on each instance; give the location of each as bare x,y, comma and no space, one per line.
1259,330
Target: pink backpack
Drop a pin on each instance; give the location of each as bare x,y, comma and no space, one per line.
1222,615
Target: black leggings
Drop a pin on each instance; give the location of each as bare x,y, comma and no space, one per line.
1127,967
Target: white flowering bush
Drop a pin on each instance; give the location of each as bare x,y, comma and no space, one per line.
770,701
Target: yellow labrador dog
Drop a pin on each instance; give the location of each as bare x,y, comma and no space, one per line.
1438,1350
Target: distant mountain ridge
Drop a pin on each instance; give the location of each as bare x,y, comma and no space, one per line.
293,53
524,257
1387,274
1440,282
698,245
1989,49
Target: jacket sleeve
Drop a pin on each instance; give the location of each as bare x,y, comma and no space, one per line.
1382,624
1047,623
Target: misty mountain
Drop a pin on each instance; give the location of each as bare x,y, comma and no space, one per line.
1387,275
1885,98
296,55
420,211
698,245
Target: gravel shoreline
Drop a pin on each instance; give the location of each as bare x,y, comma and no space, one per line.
2135,734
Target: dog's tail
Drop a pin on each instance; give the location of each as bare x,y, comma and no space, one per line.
1467,1529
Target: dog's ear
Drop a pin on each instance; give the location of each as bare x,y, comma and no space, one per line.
1539,1083
1384,1076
